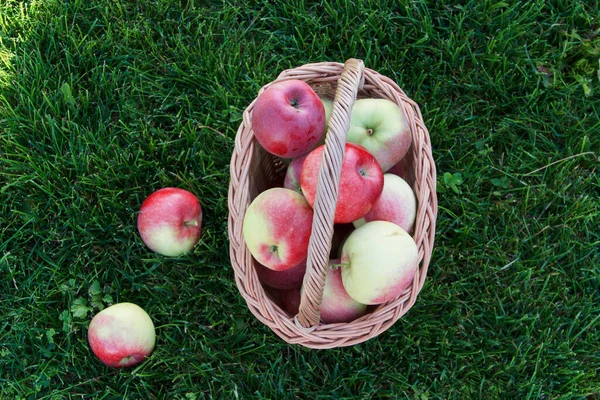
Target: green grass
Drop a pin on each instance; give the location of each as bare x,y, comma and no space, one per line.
103,102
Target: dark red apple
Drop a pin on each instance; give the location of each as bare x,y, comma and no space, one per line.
288,118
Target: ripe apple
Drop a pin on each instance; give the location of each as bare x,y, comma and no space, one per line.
379,262
121,335
397,203
290,300
292,174
288,118
287,279
403,167
361,182
381,127
337,305
277,227
170,221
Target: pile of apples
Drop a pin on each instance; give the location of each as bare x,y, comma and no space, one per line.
169,223
373,256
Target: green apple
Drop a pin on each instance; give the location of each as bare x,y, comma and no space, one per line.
380,126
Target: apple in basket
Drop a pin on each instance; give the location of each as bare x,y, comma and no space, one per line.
290,300
361,182
277,227
380,126
292,174
337,305
379,262
397,203
328,105
402,167
170,221
121,335
288,118
287,279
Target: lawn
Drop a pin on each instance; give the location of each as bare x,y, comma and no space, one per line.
102,102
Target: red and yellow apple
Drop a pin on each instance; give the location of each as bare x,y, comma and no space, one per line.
397,203
170,221
361,182
121,335
277,227
379,262
380,126
288,118
337,305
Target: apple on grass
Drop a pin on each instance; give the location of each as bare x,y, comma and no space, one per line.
121,335
379,261
397,203
277,227
170,221
381,127
287,279
288,118
361,182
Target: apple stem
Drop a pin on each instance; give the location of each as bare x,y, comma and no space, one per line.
336,265
191,223
369,132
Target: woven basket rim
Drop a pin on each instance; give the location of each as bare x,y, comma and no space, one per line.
257,299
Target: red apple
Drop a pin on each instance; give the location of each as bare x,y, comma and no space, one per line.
292,175
170,221
290,300
397,203
288,118
121,335
277,226
361,182
337,305
288,279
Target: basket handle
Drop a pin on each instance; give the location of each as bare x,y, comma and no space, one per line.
350,81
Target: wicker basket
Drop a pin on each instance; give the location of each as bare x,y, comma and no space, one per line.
253,170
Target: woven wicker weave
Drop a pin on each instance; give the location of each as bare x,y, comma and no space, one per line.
253,170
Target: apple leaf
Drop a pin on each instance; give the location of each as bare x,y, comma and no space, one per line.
79,308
